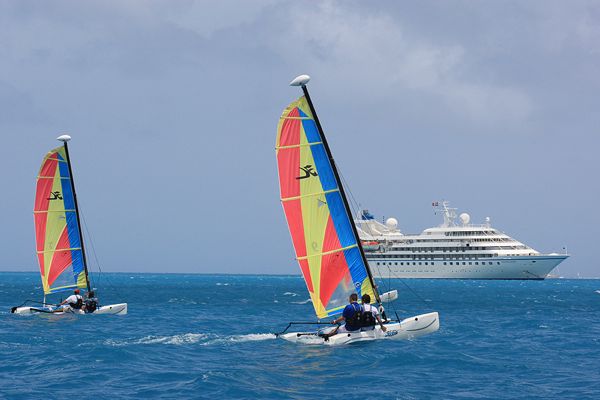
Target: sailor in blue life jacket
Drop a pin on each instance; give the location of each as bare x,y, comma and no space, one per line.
73,303
370,315
351,315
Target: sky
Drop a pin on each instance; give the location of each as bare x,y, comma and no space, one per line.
173,108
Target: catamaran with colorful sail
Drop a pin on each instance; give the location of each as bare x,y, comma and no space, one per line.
327,245
59,240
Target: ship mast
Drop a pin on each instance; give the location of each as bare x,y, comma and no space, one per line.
65,139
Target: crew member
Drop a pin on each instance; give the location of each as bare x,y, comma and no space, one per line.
351,317
370,314
91,303
71,303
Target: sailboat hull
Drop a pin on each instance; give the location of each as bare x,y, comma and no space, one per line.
408,328
112,309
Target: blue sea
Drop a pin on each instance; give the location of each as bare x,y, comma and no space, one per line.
211,336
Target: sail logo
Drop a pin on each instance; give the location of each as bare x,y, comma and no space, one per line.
55,196
391,333
308,172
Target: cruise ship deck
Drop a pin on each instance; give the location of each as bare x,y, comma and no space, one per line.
451,251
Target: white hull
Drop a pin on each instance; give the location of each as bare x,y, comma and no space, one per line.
535,267
112,309
408,328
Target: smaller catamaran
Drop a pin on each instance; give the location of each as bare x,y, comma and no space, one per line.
59,239
326,242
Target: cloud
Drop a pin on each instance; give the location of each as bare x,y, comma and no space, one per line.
206,17
373,53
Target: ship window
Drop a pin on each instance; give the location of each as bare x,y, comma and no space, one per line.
476,263
451,263
464,263
401,263
444,263
395,263
377,263
490,263
499,262
419,263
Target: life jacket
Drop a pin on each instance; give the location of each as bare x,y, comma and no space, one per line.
353,323
78,304
367,319
91,305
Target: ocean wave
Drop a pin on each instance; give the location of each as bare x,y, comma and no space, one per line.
251,337
186,338
302,302
290,294
182,301
204,339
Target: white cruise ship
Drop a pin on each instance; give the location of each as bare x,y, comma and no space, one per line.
452,250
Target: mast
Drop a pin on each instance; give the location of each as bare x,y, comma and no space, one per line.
302,80
65,139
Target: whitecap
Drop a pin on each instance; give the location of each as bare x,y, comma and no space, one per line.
186,338
290,294
302,302
251,337
182,301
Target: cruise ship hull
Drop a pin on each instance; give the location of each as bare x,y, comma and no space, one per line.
522,268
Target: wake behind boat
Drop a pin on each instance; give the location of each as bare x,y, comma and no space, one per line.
59,240
326,242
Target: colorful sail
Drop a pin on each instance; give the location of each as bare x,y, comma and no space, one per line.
323,239
58,239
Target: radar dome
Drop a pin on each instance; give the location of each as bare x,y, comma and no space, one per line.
391,223
464,218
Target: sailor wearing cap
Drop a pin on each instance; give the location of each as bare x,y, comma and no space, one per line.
73,303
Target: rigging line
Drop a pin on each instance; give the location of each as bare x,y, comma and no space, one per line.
389,288
409,288
355,204
101,274
356,209
89,236
413,292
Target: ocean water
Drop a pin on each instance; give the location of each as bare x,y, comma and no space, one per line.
211,336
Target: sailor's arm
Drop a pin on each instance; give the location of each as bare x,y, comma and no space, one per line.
383,328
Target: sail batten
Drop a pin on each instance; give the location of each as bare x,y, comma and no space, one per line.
58,239
310,195
326,248
326,252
